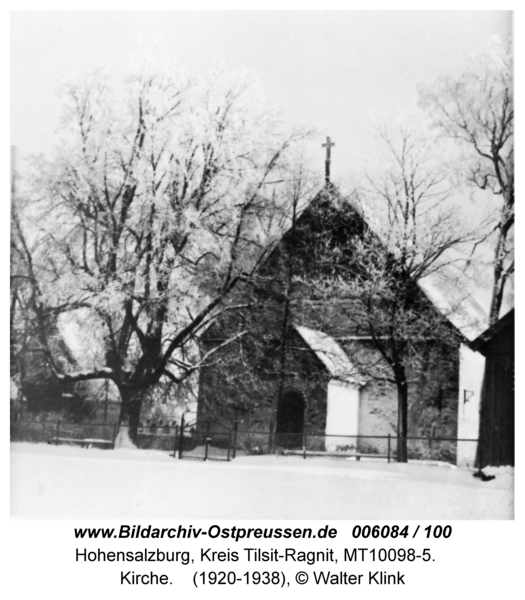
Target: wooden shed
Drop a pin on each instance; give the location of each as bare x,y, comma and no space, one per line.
496,445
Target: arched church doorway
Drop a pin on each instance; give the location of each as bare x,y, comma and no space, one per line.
290,419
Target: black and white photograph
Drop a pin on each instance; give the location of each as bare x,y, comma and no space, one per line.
262,266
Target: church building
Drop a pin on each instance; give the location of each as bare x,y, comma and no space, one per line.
304,363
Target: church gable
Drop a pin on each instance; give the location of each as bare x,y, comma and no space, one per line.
299,334
318,241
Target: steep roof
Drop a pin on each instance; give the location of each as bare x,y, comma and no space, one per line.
457,303
330,354
460,299
506,322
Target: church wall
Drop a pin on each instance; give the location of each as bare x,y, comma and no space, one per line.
472,366
249,391
252,396
377,417
330,316
342,415
433,401
432,407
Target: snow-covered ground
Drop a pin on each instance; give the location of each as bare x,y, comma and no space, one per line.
64,481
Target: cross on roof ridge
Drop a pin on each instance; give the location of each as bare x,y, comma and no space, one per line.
328,146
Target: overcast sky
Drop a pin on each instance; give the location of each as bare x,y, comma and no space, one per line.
338,72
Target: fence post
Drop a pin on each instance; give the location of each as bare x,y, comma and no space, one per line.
207,441
181,437
175,441
235,429
304,444
271,438
57,433
480,455
229,445
388,453
114,435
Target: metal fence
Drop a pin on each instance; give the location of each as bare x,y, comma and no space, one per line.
64,432
205,441
209,440
157,437
365,447
197,441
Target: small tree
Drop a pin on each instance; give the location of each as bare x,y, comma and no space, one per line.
151,212
476,109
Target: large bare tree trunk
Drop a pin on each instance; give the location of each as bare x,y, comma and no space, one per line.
131,405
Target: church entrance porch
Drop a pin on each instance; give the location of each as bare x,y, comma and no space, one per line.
290,420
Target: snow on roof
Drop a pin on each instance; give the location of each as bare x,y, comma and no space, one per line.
457,303
330,354
505,322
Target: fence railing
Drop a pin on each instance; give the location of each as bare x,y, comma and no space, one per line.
366,447
191,440
157,437
60,431
207,440
201,441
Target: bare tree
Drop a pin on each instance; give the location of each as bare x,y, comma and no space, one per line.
151,212
477,110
